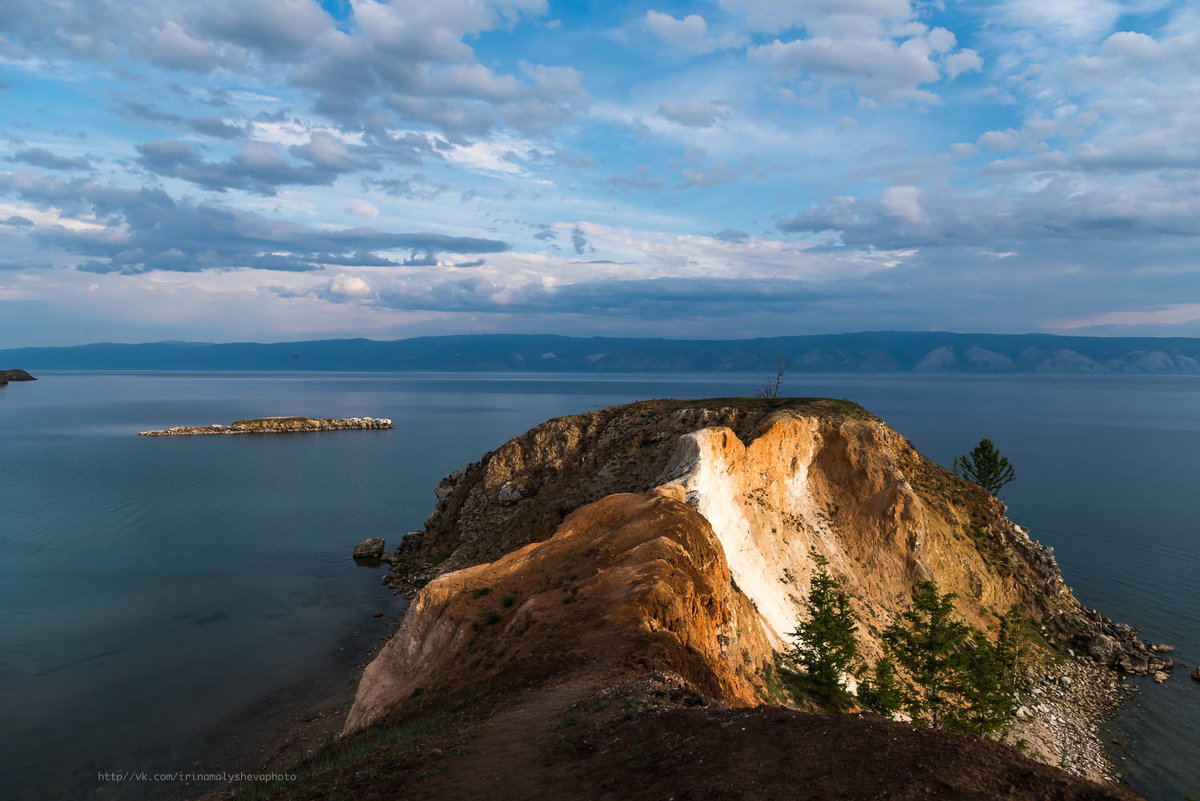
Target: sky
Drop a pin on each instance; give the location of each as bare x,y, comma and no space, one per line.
276,170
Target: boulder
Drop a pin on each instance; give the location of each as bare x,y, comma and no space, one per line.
509,494
369,550
1104,649
1196,674
446,486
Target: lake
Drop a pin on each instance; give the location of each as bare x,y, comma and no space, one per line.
151,589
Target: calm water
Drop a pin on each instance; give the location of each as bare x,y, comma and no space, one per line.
152,588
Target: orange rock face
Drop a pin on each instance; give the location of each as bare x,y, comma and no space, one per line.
628,584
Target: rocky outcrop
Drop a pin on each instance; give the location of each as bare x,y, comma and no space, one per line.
1118,646
611,529
15,375
370,549
277,425
777,480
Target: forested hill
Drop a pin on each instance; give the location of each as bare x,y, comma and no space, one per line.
868,352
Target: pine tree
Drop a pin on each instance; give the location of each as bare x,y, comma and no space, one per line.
825,643
986,467
880,692
991,679
927,643
954,677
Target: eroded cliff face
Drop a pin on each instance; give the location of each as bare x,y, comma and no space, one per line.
776,481
856,493
680,536
630,584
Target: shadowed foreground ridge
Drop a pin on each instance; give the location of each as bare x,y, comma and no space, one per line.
599,605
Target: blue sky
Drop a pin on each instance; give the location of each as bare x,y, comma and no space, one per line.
287,169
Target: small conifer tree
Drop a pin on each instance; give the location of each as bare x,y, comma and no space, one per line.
927,642
825,643
986,467
880,692
954,677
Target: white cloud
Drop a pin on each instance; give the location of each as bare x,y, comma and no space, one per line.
690,33
879,68
963,61
1000,140
361,208
349,286
904,202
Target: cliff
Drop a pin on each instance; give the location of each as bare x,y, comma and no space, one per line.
598,605
276,425
777,480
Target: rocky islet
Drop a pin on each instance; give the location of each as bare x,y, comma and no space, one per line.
277,425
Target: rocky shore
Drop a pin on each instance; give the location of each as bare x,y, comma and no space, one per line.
277,425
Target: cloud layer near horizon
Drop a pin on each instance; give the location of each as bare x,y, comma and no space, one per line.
279,168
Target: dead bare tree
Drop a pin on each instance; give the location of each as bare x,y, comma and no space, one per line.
775,383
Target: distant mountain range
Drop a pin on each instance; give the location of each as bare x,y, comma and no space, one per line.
866,352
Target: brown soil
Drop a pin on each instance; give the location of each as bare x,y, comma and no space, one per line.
564,744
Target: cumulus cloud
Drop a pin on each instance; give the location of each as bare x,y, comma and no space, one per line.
904,202
965,60
690,33
404,59
881,68
878,47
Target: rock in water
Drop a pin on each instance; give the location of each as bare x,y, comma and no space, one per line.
369,550
1196,674
277,425
15,375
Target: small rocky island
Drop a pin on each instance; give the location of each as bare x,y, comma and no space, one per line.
14,375
277,425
